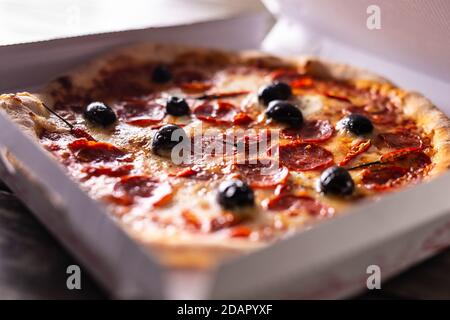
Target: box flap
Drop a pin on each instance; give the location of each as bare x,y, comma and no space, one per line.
414,33
411,48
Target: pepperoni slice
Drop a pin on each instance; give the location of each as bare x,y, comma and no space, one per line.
141,113
195,173
303,82
412,158
119,171
220,112
240,232
88,151
254,143
311,131
192,81
242,118
263,175
189,75
355,151
294,78
285,75
398,140
141,186
397,154
81,133
300,156
187,172
381,178
295,205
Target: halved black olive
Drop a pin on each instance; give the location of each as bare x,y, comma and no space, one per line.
274,91
167,137
357,124
336,181
285,112
177,106
161,74
100,113
235,194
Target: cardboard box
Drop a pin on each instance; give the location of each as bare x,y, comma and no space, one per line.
330,260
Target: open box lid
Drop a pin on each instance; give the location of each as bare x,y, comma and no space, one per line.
405,40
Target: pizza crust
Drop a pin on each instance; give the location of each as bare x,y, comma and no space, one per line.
196,252
435,122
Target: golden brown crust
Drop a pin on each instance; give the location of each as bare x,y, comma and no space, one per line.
194,253
434,122
319,67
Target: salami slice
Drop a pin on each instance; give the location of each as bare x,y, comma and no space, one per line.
398,140
221,112
311,131
116,171
300,156
295,205
240,232
397,154
192,80
295,79
285,75
141,112
196,174
81,133
263,175
142,186
380,178
410,158
253,144
92,151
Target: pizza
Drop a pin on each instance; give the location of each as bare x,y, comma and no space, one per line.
202,154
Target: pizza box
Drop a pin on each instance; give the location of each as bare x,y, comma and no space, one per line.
330,260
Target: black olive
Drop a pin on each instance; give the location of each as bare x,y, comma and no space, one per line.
100,113
285,112
161,74
336,181
357,124
167,137
235,194
274,91
177,106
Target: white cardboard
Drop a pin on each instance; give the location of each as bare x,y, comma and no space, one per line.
27,65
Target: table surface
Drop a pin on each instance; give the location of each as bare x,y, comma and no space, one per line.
33,265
